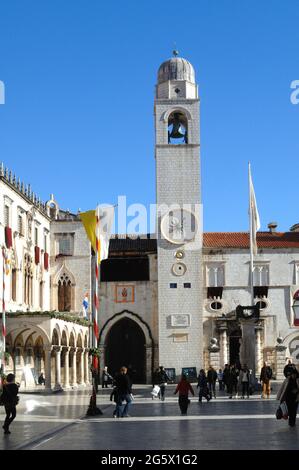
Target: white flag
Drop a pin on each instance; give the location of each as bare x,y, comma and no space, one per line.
255,223
106,217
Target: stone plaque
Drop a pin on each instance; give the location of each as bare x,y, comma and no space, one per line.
180,319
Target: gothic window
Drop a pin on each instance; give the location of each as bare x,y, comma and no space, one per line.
64,294
177,128
28,279
261,275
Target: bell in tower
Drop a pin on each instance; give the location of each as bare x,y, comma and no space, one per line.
177,128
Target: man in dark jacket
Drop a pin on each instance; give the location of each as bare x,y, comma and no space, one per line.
124,392
265,377
10,400
289,369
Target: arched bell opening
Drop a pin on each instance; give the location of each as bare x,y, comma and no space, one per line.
177,128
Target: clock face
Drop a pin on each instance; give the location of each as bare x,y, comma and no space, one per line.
179,226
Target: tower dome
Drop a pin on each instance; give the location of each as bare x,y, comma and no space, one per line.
176,68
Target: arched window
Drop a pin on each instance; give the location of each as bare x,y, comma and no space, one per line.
64,293
177,128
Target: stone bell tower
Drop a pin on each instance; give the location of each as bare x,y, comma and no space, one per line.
179,219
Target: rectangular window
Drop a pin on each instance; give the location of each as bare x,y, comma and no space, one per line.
45,243
36,236
64,246
6,216
261,275
173,285
20,225
187,285
215,275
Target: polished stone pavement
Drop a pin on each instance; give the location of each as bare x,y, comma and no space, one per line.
58,421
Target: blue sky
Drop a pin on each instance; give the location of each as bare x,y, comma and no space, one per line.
80,77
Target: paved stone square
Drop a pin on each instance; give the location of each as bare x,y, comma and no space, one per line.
57,421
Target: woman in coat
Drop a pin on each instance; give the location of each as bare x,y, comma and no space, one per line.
289,392
184,387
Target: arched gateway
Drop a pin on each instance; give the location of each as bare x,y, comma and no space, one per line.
126,340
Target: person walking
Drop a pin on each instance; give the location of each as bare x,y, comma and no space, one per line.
289,368
233,381
289,392
123,387
265,377
184,387
212,377
202,385
10,400
106,378
220,380
162,379
244,380
226,373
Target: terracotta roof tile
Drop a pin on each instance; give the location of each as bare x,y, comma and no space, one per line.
241,240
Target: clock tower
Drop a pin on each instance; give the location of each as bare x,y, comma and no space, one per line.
179,219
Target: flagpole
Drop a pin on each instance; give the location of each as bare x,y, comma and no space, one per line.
93,409
251,237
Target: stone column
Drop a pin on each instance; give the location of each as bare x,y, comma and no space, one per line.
74,377
86,367
58,367
48,350
223,346
82,368
66,368
258,349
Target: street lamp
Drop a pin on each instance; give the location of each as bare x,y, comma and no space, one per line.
295,308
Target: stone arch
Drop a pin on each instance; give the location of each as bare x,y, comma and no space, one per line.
287,342
64,338
166,114
72,339
56,338
149,341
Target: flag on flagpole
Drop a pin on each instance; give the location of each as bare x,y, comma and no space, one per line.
85,305
106,217
255,223
98,224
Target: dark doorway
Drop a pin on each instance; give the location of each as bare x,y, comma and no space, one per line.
235,337
125,346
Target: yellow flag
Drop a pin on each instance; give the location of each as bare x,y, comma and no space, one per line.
89,221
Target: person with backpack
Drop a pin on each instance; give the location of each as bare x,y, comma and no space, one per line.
10,399
265,377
